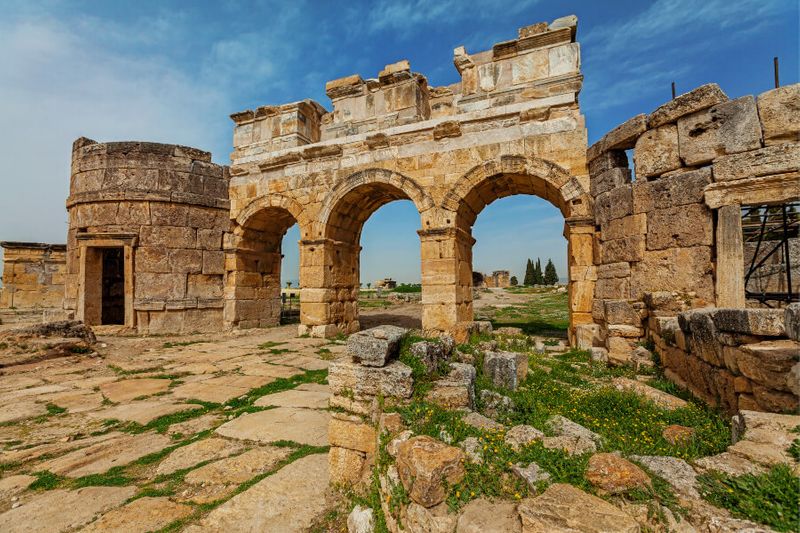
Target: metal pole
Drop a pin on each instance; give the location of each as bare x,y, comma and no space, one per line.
673,90
777,77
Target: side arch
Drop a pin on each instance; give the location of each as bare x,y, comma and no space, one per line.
273,202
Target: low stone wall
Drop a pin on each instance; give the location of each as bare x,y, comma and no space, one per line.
33,281
732,358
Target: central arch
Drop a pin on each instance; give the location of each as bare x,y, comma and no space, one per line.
330,276
517,174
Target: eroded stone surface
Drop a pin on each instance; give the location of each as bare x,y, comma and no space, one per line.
565,509
306,426
288,500
197,452
140,516
126,390
62,510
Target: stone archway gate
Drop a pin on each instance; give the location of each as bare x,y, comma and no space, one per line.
512,125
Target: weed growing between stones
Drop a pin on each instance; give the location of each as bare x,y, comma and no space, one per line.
179,344
269,344
772,498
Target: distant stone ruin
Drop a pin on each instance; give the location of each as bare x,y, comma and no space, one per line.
499,279
33,281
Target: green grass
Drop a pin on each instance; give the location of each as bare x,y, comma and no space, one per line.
325,354
53,409
269,344
772,498
545,313
183,343
46,480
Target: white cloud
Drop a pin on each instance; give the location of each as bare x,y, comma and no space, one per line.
639,56
60,82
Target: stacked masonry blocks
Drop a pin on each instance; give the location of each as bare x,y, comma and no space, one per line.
168,205
732,358
693,155
512,125
33,280
358,386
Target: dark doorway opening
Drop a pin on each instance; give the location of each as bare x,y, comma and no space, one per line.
113,297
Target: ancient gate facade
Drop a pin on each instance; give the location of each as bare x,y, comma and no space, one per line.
512,125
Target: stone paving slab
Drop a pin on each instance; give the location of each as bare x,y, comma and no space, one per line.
270,370
286,502
140,516
296,398
195,425
75,401
62,510
300,361
127,390
208,392
98,458
16,411
142,412
12,485
220,478
306,426
198,452
33,453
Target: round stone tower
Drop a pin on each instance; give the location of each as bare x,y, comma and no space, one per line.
144,246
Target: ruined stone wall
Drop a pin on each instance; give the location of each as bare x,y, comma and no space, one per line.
677,226
512,125
732,358
33,280
499,279
167,207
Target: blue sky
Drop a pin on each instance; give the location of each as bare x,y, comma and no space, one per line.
173,72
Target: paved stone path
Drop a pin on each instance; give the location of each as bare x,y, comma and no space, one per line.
171,423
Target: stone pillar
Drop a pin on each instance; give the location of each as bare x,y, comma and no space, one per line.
582,273
329,284
730,257
446,277
252,289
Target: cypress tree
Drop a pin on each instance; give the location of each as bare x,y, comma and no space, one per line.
550,275
528,280
538,279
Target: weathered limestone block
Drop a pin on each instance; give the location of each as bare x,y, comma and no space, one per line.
702,335
506,369
360,520
627,249
606,161
521,436
563,508
680,227
455,390
656,152
623,137
430,353
352,433
375,346
609,179
345,465
613,474
485,516
393,379
778,110
588,336
768,363
726,128
437,519
792,321
425,465
764,322
619,350
612,289
695,100
673,191
674,269
621,312
613,204
776,159
624,227
614,270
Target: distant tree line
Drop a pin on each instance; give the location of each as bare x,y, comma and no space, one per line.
535,276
